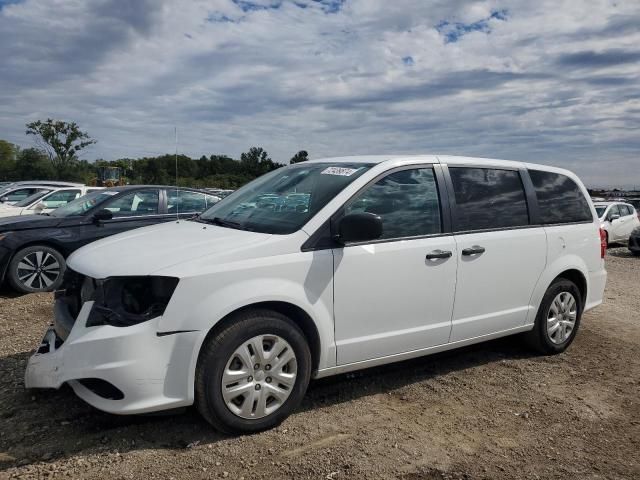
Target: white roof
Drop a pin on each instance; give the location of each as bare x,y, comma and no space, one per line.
448,159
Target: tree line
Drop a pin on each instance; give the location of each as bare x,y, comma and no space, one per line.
58,143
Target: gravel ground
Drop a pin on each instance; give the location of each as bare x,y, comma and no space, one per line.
492,411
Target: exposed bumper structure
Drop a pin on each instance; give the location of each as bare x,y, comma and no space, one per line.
97,361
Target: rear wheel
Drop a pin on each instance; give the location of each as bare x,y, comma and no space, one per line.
38,268
252,374
558,318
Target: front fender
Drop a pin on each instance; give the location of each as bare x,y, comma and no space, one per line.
304,280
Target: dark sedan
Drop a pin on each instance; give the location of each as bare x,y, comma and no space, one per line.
33,248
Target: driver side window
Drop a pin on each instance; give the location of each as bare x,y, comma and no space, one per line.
135,204
406,200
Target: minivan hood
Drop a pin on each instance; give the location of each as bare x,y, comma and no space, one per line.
150,249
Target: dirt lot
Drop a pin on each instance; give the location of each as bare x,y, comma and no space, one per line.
491,411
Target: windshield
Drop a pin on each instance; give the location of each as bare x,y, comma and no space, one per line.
83,204
31,198
282,201
600,210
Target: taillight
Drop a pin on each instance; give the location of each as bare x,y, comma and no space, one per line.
603,243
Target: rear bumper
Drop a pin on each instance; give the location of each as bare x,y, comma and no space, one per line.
595,291
133,359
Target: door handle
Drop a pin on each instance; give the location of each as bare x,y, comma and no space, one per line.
438,254
475,250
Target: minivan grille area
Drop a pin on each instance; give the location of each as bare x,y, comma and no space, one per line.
76,289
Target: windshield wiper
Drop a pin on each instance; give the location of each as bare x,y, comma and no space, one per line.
221,222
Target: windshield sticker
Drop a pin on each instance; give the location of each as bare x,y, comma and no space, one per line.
344,172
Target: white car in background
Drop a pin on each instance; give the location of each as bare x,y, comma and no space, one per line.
45,200
617,219
15,192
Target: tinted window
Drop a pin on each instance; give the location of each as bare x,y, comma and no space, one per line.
407,201
600,211
560,199
134,204
625,210
614,210
488,198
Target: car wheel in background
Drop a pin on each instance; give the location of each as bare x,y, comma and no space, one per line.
558,318
253,373
38,268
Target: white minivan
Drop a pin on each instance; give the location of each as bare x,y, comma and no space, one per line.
319,268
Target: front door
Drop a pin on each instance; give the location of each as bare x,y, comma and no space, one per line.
395,294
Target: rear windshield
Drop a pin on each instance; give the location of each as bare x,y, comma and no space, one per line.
600,210
282,201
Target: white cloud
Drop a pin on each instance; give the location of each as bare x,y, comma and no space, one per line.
554,82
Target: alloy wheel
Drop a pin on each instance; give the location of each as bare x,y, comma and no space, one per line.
38,270
561,318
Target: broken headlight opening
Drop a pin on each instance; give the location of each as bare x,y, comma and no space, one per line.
126,301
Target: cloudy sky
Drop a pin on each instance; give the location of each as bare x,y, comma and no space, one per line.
552,81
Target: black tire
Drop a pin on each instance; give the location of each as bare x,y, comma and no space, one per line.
538,338
217,351
46,276
635,253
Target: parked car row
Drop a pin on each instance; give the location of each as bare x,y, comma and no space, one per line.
44,200
33,248
314,269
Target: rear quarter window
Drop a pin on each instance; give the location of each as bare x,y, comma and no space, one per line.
559,198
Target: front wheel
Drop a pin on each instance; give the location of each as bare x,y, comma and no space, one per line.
558,318
38,268
252,374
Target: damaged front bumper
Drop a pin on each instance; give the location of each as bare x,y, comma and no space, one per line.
122,370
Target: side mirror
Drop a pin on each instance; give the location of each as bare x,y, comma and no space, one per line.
39,207
102,215
613,217
4,199
359,227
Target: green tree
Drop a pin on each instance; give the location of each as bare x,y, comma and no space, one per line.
61,141
8,154
301,156
33,164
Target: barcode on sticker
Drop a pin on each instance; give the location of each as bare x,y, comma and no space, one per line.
345,172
